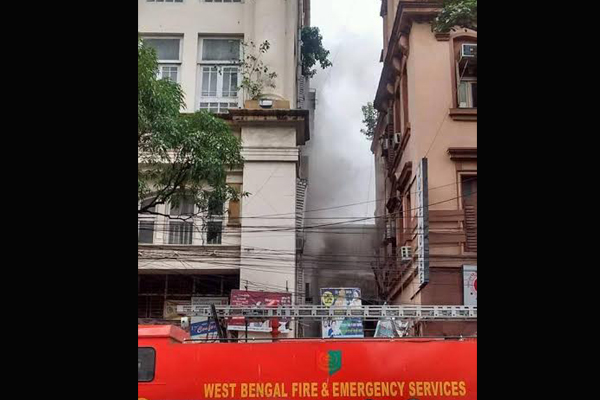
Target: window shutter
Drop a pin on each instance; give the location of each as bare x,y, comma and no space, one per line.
469,186
234,212
471,228
301,91
389,131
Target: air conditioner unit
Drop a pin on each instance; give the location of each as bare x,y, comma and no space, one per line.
405,253
390,230
385,145
396,138
468,51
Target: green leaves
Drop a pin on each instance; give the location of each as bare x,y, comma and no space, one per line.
179,154
313,51
462,13
255,73
370,115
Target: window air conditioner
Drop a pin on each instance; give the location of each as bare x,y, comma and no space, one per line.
405,253
390,232
468,51
385,145
397,138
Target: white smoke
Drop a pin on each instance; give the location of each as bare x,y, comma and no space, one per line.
340,161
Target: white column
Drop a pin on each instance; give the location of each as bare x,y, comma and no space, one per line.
270,23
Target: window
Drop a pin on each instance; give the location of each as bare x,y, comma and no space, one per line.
222,1
219,82
215,206
214,232
146,232
168,52
221,50
233,209
180,232
466,75
400,228
168,72
146,224
217,107
467,94
469,200
404,94
185,206
219,76
164,1
146,364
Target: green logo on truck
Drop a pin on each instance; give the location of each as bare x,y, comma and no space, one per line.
330,361
335,361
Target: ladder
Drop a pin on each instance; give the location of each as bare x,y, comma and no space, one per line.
368,313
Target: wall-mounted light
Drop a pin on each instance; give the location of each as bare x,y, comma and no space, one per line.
264,103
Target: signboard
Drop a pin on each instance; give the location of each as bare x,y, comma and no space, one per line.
390,328
203,328
470,285
341,327
207,301
170,308
422,213
250,298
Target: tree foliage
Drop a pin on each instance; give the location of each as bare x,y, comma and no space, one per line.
313,51
462,13
370,115
179,154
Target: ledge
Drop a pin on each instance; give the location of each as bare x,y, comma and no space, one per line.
405,176
270,154
463,114
406,13
463,153
293,117
442,37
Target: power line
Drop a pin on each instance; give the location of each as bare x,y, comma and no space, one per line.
294,228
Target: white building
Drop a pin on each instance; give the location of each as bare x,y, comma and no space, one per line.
254,244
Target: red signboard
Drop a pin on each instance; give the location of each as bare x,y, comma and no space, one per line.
251,298
343,369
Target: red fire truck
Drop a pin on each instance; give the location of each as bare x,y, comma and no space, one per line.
171,368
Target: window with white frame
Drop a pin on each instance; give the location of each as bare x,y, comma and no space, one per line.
168,52
146,224
181,231
218,73
466,74
467,93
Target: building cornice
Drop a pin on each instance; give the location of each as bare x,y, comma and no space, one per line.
290,154
463,153
463,114
282,117
407,13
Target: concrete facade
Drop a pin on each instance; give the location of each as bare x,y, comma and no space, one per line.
258,246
